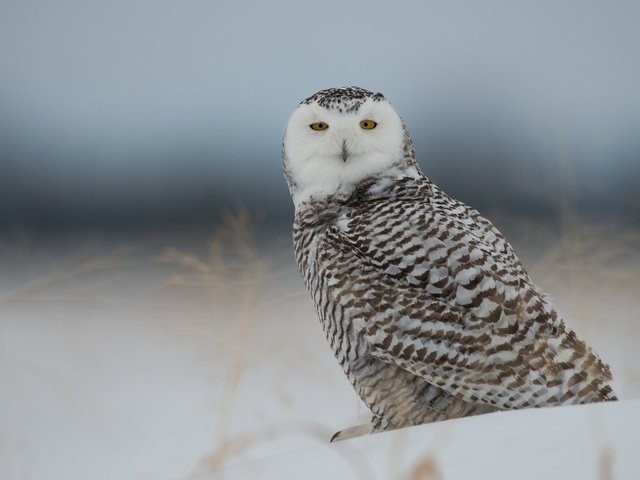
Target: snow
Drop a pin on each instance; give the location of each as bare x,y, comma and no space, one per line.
587,442
172,357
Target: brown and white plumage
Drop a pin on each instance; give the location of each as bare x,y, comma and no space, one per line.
424,303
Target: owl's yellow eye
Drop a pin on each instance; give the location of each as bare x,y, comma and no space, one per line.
319,126
368,124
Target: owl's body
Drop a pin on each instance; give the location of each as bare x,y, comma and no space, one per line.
424,303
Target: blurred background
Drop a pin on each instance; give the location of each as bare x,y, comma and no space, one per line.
152,320
121,114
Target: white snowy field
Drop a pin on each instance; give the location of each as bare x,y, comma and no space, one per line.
584,442
198,355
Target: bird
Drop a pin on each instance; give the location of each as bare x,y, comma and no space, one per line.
424,303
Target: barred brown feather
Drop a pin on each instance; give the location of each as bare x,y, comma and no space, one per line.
426,306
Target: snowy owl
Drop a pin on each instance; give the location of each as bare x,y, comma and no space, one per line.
424,303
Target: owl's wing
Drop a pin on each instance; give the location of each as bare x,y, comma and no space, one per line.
451,303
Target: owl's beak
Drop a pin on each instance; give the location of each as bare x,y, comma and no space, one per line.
345,152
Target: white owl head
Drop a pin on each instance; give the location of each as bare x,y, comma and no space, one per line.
339,137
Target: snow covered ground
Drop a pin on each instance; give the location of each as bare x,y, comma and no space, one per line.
585,442
198,355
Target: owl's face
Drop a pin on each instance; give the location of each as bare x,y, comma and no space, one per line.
339,137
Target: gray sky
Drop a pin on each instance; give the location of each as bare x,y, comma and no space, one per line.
184,103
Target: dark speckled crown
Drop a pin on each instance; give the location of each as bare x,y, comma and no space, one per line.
343,99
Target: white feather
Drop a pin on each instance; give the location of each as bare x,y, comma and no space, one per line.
314,158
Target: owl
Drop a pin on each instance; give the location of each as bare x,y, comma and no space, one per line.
424,303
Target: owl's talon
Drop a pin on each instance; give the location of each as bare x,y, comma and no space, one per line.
351,432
